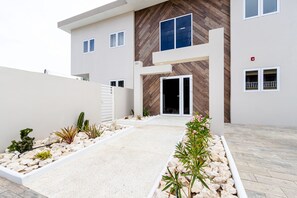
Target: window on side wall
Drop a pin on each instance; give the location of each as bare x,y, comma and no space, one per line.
121,83
252,78
117,39
270,79
113,83
255,8
89,46
85,46
176,33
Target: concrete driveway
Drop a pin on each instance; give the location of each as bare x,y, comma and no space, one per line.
266,158
126,166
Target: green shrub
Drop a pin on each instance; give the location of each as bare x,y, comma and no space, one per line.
146,112
26,143
43,155
80,121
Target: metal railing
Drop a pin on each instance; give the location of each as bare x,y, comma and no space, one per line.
270,84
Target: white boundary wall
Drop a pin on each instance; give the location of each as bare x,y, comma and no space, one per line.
122,101
44,103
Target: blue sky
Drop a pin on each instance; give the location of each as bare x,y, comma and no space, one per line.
29,37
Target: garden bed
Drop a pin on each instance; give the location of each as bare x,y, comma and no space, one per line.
135,119
17,167
197,171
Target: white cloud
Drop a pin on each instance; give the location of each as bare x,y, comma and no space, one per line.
29,37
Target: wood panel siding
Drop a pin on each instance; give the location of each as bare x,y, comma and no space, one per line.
207,15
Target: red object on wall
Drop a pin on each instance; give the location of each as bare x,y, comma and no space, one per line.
253,58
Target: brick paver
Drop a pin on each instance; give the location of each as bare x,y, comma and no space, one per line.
266,159
9,189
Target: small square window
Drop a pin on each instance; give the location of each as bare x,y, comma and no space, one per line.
113,40
121,38
251,8
252,80
85,46
113,83
92,45
121,83
269,6
270,77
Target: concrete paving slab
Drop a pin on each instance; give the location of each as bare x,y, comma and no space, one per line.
126,166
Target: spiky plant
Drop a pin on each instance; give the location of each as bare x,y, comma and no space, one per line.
173,182
67,134
94,131
80,121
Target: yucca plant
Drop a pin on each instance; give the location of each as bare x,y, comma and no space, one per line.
93,131
67,134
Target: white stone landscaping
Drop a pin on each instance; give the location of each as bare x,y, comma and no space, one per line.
15,166
135,119
217,171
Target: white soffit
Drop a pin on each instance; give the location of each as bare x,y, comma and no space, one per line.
112,9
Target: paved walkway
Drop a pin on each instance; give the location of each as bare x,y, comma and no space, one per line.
266,158
126,166
9,189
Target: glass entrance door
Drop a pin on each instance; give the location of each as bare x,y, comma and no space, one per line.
171,96
176,95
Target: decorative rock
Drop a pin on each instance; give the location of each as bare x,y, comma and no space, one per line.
26,161
45,162
225,194
197,187
229,189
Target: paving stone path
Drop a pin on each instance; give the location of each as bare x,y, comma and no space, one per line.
266,158
9,189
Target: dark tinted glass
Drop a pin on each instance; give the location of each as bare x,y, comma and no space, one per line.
167,35
184,31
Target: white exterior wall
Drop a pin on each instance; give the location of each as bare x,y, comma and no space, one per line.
122,101
105,63
44,103
272,40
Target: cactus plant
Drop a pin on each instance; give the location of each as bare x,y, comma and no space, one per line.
86,125
80,121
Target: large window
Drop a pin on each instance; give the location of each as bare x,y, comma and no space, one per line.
265,79
117,39
89,46
255,8
176,32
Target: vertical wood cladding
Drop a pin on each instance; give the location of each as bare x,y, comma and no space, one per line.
207,15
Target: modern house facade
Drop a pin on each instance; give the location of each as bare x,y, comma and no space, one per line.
106,41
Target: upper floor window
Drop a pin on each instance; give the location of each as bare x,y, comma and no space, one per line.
117,39
89,46
254,8
176,32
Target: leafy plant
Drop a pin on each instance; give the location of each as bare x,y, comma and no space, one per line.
146,112
192,152
94,131
26,143
173,182
43,155
80,121
67,134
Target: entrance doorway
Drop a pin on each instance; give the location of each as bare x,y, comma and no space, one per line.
176,95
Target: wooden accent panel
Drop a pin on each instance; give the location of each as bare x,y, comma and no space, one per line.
207,15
